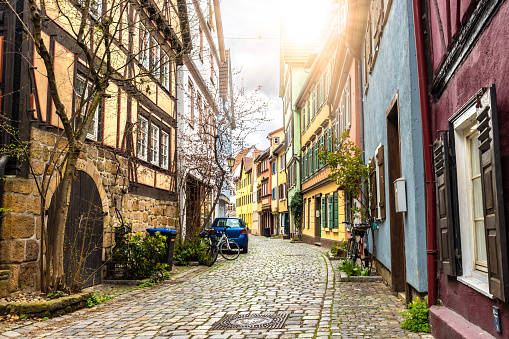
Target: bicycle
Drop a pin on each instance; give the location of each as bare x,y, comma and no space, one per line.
211,249
228,248
352,248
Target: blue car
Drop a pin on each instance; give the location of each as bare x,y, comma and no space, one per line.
235,229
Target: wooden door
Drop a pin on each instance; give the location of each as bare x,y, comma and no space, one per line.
397,231
83,242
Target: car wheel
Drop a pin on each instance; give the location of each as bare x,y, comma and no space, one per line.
244,249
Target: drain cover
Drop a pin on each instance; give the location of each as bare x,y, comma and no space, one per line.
265,320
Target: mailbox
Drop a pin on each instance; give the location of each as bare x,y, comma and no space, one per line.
400,194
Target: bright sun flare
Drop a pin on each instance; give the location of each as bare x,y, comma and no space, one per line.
304,19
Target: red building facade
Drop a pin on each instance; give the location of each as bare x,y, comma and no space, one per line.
469,87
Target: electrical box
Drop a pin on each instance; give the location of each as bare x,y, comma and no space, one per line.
400,194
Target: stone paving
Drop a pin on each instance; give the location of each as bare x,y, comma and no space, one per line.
275,276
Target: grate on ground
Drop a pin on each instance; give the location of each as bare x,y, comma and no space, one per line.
250,321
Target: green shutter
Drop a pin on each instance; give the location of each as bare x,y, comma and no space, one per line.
322,147
329,139
331,211
336,209
322,215
305,164
316,157
303,118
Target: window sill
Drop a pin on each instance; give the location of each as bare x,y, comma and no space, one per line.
477,284
335,230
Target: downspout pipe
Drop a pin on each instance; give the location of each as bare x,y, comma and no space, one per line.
431,241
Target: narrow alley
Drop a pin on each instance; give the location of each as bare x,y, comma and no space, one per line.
296,282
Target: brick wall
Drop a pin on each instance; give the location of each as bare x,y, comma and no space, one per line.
20,230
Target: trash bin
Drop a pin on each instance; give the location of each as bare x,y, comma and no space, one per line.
267,231
170,244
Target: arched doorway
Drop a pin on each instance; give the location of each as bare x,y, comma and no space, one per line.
83,241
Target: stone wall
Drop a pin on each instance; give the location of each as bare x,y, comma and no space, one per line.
20,230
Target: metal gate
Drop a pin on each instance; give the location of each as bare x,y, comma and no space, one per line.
83,241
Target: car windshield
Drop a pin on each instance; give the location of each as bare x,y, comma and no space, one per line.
228,223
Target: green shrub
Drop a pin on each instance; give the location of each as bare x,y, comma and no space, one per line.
190,250
96,299
338,249
139,256
416,316
351,269
148,283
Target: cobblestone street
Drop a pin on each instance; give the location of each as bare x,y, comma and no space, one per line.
274,277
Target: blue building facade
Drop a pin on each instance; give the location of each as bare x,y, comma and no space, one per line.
392,138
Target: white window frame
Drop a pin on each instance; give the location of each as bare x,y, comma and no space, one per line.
142,148
165,137
156,58
95,9
462,126
154,144
165,71
93,132
144,53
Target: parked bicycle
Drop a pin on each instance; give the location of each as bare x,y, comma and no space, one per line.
228,248
357,232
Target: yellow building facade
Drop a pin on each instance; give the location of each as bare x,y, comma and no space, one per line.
324,206
244,192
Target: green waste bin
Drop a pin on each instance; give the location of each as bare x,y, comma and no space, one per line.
170,244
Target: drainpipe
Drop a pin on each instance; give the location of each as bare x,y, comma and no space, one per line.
428,162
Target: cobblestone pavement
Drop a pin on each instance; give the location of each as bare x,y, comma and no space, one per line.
274,277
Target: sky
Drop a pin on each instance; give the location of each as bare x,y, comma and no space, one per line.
244,22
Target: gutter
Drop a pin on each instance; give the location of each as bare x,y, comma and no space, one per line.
431,241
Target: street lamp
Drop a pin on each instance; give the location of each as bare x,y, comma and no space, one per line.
231,162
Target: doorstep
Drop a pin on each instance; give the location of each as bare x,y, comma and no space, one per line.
447,324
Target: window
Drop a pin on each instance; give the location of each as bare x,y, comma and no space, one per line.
475,196
95,8
274,194
274,166
212,68
282,161
165,70
304,118
470,204
142,138
155,56
164,149
144,54
201,44
276,140
190,106
82,93
154,144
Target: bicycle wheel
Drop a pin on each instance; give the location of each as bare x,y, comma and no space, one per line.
210,255
229,249
349,245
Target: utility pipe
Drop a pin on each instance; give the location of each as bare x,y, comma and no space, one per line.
428,160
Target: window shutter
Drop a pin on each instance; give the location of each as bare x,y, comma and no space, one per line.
381,181
444,205
322,215
317,164
493,198
329,139
331,211
322,148
336,210
372,188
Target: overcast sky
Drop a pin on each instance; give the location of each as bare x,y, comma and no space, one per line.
251,30
244,21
